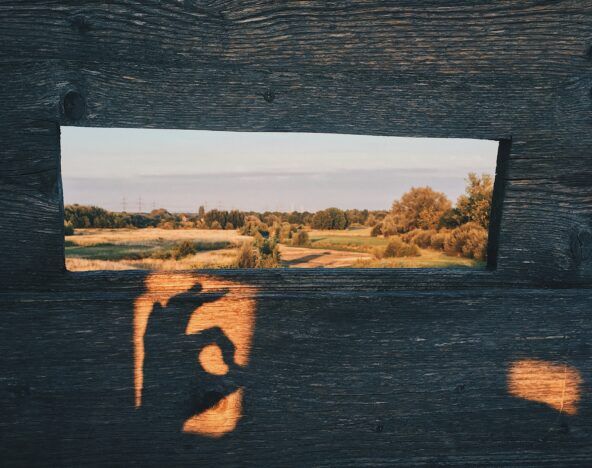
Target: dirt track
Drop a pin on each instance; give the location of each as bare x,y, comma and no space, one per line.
300,257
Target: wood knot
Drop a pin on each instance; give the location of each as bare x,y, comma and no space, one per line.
581,246
269,95
74,105
81,24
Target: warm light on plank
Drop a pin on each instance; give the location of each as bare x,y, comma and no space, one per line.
233,313
556,385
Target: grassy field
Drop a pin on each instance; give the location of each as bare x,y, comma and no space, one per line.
360,240
149,249
429,259
154,249
350,240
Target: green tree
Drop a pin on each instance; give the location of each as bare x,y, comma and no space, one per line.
300,239
419,208
475,204
331,218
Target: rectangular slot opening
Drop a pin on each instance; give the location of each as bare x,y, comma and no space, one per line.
176,199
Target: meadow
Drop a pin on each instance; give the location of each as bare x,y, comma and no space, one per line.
162,249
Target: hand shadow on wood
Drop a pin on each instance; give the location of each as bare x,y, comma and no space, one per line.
176,386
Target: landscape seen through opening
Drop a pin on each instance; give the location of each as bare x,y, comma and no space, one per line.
177,200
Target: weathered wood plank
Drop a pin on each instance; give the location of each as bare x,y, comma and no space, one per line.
336,380
546,191
540,38
31,230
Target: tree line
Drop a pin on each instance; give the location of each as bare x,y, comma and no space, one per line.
422,217
82,216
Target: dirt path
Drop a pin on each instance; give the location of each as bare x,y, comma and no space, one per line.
301,257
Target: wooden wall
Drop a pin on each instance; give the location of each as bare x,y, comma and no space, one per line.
344,367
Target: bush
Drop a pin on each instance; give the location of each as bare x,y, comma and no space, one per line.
397,248
268,253
253,227
468,240
68,229
215,225
184,249
168,225
300,238
286,232
263,253
376,230
439,239
420,237
246,256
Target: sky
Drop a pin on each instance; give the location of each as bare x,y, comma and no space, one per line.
141,169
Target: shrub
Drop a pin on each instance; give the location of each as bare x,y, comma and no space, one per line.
451,219
263,253
268,253
215,225
286,232
468,240
371,220
251,226
68,229
439,240
376,230
409,236
300,238
183,249
389,226
201,224
420,237
168,225
246,256
397,248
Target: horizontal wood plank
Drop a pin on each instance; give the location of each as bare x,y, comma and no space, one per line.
338,380
459,37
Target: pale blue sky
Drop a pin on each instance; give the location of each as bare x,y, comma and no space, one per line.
180,169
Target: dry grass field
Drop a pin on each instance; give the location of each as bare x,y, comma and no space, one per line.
132,249
151,236
150,249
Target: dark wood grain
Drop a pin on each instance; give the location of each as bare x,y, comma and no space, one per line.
334,379
350,367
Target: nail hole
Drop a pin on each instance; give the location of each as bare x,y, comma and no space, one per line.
269,95
81,24
74,105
